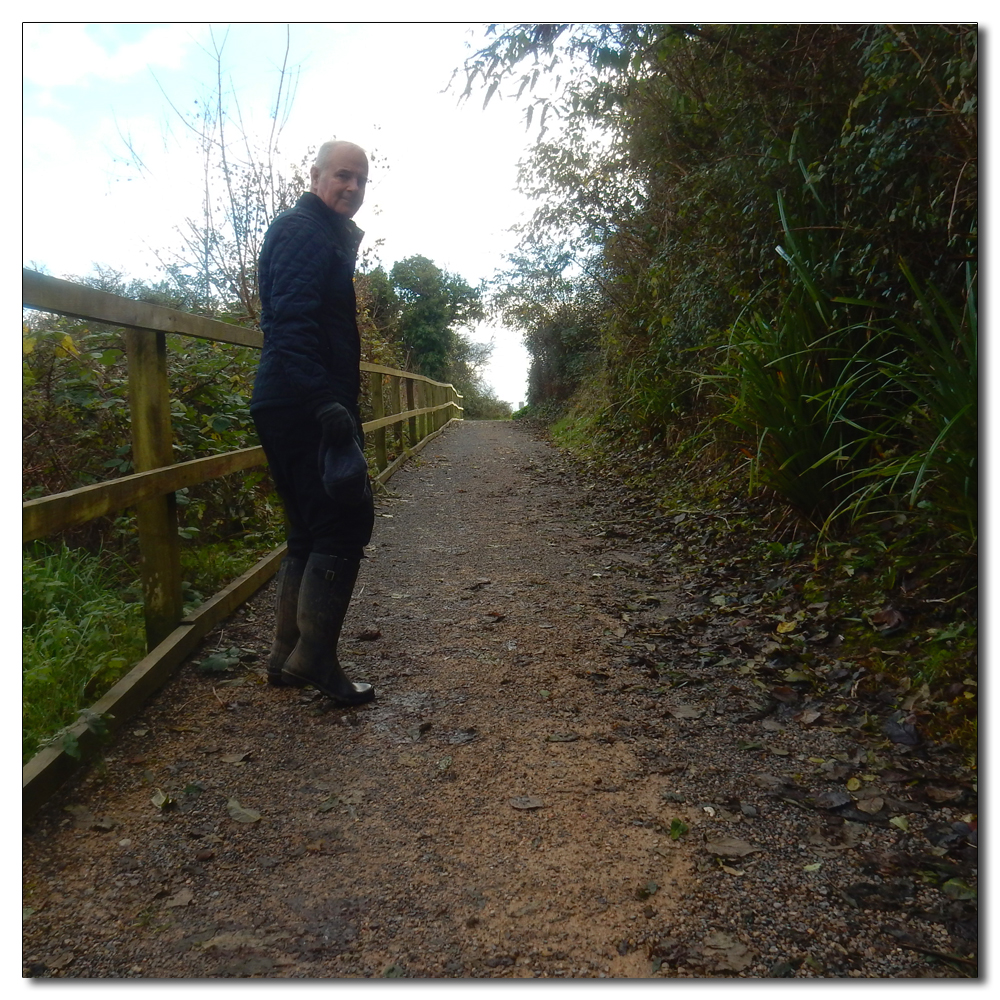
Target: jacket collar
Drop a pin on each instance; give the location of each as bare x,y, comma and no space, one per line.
346,227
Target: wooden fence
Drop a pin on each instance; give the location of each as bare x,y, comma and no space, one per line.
410,408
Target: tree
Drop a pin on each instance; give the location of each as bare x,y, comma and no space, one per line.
434,305
746,176
243,189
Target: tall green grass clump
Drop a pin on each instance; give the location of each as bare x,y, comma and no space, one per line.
811,388
80,634
932,459
860,407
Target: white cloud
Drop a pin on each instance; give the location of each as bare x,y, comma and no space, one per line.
57,55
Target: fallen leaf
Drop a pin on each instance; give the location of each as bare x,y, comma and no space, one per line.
181,898
871,805
526,802
815,867
727,953
729,847
241,815
647,890
162,800
888,620
219,663
797,677
686,712
235,758
940,795
955,888
784,694
82,816
771,783
833,799
731,871
902,732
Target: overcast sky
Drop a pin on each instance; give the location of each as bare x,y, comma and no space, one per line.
443,177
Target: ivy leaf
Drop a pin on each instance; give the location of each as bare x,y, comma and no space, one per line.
955,888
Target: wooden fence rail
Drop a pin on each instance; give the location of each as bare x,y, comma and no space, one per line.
413,408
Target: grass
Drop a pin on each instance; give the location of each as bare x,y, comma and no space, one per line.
208,567
80,634
83,626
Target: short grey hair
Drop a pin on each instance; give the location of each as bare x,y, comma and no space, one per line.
324,151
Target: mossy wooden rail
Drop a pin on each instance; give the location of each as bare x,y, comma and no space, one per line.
413,408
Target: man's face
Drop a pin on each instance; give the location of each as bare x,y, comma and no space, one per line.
341,182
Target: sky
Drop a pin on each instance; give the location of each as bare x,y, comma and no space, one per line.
443,177
444,172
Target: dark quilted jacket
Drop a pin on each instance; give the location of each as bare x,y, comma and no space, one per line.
308,310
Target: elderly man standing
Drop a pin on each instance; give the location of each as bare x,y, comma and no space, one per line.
305,408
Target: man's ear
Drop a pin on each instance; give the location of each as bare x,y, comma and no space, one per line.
313,175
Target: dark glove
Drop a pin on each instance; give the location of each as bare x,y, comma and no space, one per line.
337,423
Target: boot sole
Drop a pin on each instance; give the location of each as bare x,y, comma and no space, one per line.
363,698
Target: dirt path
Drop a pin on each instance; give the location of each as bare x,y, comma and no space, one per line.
505,806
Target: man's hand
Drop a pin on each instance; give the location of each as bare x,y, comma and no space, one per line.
337,423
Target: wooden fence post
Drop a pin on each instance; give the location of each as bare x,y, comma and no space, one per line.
378,411
152,448
421,421
410,405
395,407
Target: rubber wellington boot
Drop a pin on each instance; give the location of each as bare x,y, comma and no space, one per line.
325,593
286,631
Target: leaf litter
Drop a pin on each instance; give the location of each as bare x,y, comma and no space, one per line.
642,658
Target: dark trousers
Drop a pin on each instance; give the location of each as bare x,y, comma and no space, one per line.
290,437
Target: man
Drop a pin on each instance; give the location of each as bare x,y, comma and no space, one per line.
305,408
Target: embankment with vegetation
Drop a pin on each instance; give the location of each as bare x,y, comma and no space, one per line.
750,286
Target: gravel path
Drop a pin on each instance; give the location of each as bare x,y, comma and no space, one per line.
569,771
